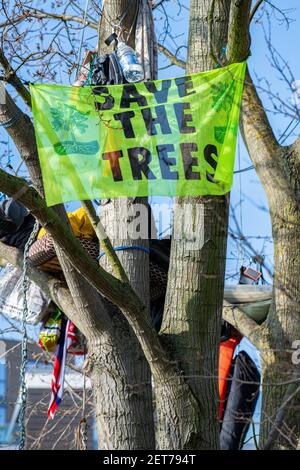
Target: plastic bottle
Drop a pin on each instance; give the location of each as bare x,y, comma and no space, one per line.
132,69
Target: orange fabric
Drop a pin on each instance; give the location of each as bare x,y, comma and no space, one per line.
225,359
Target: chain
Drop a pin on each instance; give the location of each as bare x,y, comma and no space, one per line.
23,388
82,437
83,422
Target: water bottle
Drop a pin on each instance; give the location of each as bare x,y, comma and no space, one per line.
132,69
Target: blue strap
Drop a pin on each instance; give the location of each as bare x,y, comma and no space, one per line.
125,247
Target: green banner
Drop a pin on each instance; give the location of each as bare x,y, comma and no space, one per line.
171,137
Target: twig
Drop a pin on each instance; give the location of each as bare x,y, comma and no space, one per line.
11,77
245,325
254,9
173,59
292,390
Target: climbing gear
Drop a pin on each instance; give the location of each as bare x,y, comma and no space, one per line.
127,247
12,120
82,437
23,387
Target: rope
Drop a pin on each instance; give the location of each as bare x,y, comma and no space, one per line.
241,253
9,122
23,388
251,167
82,36
83,423
125,247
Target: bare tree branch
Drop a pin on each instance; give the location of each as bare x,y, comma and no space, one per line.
34,13
289,397
11,77
114,290
245,325
172,57
257,132
254,9
20,129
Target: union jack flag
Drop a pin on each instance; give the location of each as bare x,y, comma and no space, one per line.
68,343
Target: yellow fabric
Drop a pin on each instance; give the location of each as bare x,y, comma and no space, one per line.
80,224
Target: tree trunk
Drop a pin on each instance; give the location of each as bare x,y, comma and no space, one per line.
284,319
278,169
124,404
192,317
118,16
137,395
122,389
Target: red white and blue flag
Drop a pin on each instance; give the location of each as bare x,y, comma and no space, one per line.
58,377
69,342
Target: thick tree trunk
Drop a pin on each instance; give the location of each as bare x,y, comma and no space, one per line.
284,319
124,404
192,317
283,326
278,169
122,389
134,400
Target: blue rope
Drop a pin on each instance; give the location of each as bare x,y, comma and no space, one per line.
223,54
2,197
12,120
125,247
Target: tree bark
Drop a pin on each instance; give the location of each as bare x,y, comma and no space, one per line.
131,408
278,170
137,429
192,317
118,16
